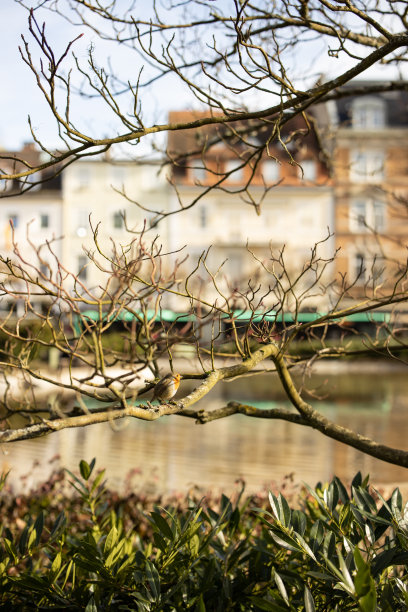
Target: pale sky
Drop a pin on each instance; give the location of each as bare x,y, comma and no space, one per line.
19,95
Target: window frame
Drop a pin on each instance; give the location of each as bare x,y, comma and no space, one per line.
234,166
368,113
82,267
118,215
366,267
271,179
368,222
44,216
372,170
305,175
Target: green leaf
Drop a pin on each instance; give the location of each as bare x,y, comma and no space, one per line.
97,480
344,497
60,522
299,521
194,545
22,544
115,553
91,605
320,502
154,579
281,587
160,542
364,584
345,572
260,603
274,504
32,538
284,511
357,480
329,545
56,564
3,479
308,599
86,469
162,525
38,527
11,549
321,576
3,568
289,545
305,546
200,606
331,496
111,539
316,535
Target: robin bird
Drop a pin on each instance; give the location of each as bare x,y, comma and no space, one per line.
166,387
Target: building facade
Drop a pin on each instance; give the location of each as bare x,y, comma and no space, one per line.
118,199
31,225
370,172
282,215
90,210
268,212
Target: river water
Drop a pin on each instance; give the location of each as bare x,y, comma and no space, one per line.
174,454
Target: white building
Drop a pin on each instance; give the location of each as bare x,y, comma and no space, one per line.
106,195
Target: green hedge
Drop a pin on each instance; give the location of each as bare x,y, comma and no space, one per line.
338,550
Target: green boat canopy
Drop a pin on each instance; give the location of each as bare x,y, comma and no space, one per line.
243,316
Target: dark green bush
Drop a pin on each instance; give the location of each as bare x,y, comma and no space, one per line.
338,550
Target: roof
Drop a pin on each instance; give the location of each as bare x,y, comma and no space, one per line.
18,161
192,141
396,102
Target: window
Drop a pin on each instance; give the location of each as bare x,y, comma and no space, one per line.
368,112
82,267
378,215
44,269
234,266
367,166
360,268
234,227
202,212
82,223
368,269
199,172
32,180
13,218
117,174
378,269
83,177
358,216
6,185
270,171
233,165
367,214
44,221
118,221
309,170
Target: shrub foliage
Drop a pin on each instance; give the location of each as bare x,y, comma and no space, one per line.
338,550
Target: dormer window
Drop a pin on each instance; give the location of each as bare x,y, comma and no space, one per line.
198,172
233,168
308,170
270,171
368,112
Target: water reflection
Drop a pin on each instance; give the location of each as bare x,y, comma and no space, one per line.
174,453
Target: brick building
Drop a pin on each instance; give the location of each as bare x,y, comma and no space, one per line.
295,203
370,172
